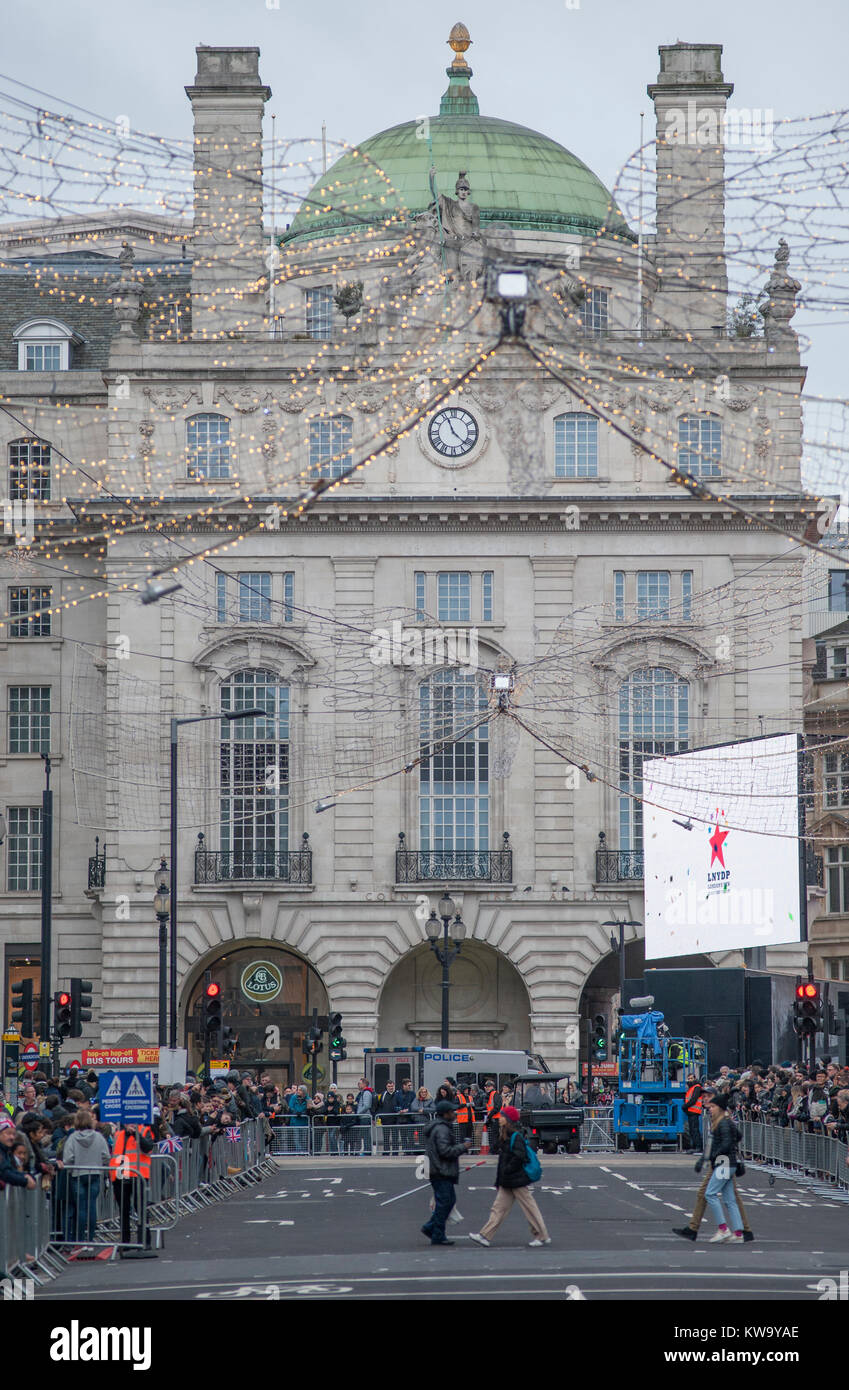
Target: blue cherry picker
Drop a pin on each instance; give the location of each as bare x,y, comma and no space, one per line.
652,1075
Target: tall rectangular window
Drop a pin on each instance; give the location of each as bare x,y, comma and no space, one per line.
331,445
23,854
254,598
420,584
835,779
320,311
288,597
687,596
837,885
838,590
576,446
29,470
700,445
208,446
652,595
29,611
454,597
486,596
29,719
594,311
619,595
838,667
453,776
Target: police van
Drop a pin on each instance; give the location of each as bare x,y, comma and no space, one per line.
430,1066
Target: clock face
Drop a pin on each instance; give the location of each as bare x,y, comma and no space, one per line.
453,432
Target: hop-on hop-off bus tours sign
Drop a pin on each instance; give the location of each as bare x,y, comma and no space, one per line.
723,859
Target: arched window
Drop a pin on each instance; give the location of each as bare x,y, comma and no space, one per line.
254,770
208,446
653,720
576,446
45,345
453,776
700,445
29,470
331,445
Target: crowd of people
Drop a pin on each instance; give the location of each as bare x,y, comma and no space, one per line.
812,1100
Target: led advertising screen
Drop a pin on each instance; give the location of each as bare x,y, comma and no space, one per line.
724,864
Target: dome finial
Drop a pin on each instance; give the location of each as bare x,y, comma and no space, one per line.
459,41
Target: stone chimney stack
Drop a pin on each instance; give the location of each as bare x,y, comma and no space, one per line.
690,97
228,265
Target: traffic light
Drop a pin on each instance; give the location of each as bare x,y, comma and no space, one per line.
337,1041
61,1013
22,1014
229,1041
80,1006
212,1008
807,1009
599,1039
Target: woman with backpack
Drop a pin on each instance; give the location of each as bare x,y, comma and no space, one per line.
518,1169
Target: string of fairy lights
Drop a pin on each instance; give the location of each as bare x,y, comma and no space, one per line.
412,342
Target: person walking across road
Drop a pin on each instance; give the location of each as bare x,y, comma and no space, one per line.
513,1182
723,1162
443,1156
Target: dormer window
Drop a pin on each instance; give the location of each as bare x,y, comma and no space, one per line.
45,345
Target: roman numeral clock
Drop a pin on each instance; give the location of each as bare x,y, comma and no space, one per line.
453,437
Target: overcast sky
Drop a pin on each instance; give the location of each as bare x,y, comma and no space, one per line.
575,69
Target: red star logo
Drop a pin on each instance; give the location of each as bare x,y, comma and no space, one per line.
716,842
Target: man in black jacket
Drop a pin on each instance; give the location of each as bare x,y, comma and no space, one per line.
443,1156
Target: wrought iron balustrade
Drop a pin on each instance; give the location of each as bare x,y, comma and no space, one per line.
97,866
293,866
454,865
618,865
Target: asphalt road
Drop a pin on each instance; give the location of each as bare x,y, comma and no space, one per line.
319,1230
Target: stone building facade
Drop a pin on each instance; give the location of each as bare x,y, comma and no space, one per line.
628,609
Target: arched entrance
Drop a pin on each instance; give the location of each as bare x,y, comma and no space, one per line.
262,985
489,1004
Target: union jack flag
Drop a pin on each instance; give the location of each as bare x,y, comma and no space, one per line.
170,1145
234,1133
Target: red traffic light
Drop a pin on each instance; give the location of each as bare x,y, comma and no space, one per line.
213,990
63,1000
811,991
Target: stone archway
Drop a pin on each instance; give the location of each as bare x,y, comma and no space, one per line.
490,1006
262,984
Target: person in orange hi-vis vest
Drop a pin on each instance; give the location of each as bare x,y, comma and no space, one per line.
129,1169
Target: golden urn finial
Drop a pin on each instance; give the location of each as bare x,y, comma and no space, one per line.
459,41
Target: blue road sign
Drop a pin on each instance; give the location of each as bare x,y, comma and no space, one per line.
126,1097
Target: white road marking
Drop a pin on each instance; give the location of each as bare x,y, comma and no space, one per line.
267,1221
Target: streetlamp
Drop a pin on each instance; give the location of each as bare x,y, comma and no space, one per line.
447,952
162,908
230,715
619,945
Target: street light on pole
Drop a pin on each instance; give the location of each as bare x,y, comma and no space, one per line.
162,908
448,952
176,724
619,945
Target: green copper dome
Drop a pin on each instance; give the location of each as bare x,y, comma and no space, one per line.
517,176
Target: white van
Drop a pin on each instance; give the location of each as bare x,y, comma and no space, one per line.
430,1066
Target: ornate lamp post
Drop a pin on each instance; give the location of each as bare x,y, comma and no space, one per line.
450,949
162,908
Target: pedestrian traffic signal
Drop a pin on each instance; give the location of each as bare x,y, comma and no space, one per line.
229,1041
61,1013
599,1039
212,1008
22,1013
807,1009
337,1041
80,1006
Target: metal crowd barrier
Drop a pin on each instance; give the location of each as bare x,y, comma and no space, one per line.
597,1130
82,1206
817,1157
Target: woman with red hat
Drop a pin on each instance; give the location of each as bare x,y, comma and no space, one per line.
512,1182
